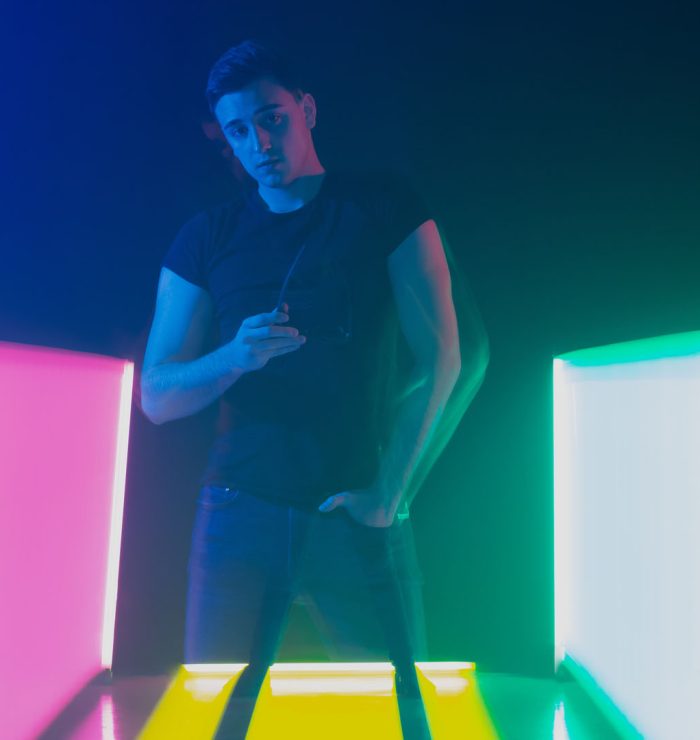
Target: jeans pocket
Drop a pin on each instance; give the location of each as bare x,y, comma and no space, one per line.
213,498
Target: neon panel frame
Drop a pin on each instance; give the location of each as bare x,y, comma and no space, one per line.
626,516
63,450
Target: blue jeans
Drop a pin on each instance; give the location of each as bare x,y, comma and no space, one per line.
251,558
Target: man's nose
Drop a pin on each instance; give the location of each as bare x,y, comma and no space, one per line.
261,140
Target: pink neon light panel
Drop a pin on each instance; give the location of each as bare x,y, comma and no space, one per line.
63,441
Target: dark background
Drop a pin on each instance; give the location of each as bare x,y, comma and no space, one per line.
558,145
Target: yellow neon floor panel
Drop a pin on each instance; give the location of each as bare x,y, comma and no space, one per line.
453,702
307,700
319,700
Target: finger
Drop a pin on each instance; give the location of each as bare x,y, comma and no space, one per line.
273,344
284,350
272,330
264,319
331,503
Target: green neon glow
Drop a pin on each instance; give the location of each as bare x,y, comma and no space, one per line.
639,350
608,708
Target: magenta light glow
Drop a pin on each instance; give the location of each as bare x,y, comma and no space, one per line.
63,443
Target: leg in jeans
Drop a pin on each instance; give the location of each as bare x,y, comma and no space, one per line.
238,593
363,588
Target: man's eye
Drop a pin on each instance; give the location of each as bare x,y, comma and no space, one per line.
274,117
237,132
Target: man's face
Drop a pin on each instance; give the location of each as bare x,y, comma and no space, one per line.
264,121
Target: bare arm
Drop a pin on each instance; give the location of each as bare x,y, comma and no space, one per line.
422,290
176,381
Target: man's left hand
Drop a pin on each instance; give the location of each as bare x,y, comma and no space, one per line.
364,505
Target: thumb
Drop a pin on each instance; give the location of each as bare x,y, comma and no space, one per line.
332,502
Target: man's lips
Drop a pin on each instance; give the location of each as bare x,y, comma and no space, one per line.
268,161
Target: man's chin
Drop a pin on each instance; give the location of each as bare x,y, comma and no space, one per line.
270,179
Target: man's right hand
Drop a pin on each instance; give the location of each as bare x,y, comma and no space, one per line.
259,338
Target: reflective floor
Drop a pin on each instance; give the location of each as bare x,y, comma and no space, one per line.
334,700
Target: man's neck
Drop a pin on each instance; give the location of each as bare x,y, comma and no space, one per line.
293,196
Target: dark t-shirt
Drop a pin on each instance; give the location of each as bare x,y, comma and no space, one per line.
311,422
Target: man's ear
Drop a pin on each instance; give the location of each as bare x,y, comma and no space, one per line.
213,132
309,106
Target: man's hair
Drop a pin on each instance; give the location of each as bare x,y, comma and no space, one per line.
247,62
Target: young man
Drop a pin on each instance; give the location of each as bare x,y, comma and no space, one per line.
309,277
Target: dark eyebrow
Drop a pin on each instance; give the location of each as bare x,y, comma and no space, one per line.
271,106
